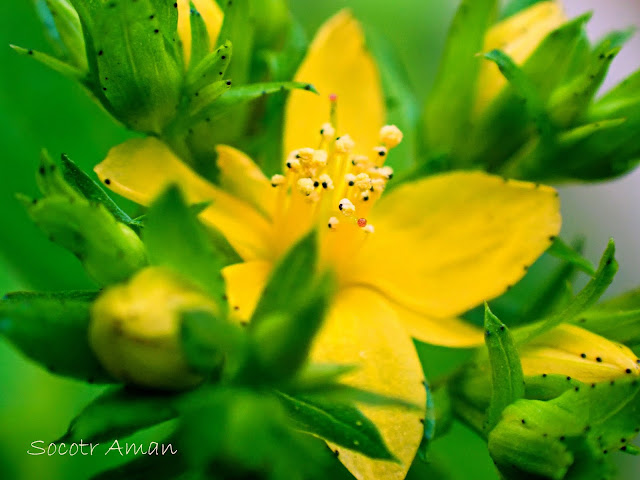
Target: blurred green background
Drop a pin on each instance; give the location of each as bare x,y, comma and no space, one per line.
39,108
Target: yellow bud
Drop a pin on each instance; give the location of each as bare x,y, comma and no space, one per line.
135,329
577,353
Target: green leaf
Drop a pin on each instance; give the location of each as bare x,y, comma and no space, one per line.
118,413
202,105
402,105
59,66
247,93
617,319
199,36
506,372
516,6
560,249
284,334
135,59
448,109
69,32
341,424
208,70
109,250
209,342
50,181
506,124
90,189
588,296
238,28
570,101
290,279
527,91
175,238
51,329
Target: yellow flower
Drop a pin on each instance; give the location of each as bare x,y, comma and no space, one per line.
407,262
518,36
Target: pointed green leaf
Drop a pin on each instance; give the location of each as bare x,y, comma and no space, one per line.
59,66
341,424
560,249
506,372
516,6
284,334
526,90
617,319
118,413
68,27
448,109
51,329
199,37
588,296
209,69
175,238
247,93
90,189
291,279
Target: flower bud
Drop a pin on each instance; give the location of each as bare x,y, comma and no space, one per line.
135,329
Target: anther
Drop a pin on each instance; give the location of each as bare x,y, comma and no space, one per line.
381,151
346,207
333,223
365,196
390,136
368,229
305,155
319,159
344,144
326,182
327,131
362,181
386,172
305,186
350,178
277,180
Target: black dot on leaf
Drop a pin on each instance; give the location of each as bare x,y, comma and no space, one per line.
107,181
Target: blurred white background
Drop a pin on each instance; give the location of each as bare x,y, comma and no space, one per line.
610,209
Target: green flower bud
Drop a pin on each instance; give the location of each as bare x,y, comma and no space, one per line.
135,329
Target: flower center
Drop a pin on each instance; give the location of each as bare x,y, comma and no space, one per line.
331,187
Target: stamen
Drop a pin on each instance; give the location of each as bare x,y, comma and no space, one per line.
305,186
333,223
381,151
344,144
390,136
326,182
362,181
350,178
328,132
346,207
368,229
278,180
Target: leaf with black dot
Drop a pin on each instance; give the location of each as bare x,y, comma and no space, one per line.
90,189
506,372
53,63
199,37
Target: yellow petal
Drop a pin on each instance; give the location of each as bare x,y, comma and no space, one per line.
142,168
363,329
448,332
337,63
245,283
518,36
241,177
212,15
575,352
444,244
